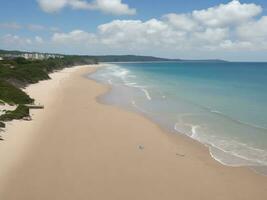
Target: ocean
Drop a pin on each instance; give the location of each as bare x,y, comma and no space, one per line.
220,104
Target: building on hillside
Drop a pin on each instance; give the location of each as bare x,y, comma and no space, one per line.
27,56
32,56
1,58
51,56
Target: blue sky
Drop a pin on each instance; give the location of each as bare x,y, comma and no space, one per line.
168,28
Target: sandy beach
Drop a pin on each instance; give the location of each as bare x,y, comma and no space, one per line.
79,149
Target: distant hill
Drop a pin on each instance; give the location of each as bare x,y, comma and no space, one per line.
123,58
10,52
135,58
131,58
207,61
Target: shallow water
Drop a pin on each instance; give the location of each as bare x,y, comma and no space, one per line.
222,105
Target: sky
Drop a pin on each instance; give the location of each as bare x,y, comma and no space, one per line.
233,30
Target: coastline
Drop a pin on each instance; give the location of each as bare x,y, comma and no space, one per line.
141,88
76,157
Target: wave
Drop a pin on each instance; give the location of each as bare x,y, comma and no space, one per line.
194,131
147,94
130,84
216,111
227,152
235,159
238,154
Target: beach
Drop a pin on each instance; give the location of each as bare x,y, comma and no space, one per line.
77,148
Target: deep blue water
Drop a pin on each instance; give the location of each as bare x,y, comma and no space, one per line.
223,105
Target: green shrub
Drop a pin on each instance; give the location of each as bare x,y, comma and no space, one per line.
32,71
2,125
12,95
20,112
19,72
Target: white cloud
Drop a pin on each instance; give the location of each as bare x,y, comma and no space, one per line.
115,7
212,35
75,36
230,14
227,14
254,30
206,32
138,36
52,5
181,21
237,45
178,33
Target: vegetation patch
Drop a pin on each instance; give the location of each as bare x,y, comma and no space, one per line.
12,95
2,125
20,112
16,73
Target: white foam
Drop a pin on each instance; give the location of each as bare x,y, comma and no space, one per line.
147,94
229,152
122,73
242,154
216,111
130,83
234,158
194,131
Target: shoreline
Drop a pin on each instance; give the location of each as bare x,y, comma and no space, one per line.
181,136
217,153
259,170
126,164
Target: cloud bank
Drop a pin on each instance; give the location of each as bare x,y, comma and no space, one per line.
231,26
224,31
115,7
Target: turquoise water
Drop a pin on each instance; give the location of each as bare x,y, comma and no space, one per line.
222,105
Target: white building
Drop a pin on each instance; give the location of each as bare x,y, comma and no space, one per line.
39,56
1,58
26,56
